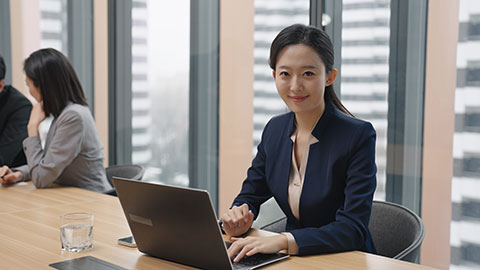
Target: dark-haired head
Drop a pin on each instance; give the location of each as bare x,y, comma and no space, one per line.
52,73
319,41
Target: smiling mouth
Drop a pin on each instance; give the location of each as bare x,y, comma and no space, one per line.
298,99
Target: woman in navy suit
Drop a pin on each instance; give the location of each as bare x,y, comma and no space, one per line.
317,161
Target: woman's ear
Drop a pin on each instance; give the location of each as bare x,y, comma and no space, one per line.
331,77
273,74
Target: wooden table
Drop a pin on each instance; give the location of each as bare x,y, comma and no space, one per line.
30,235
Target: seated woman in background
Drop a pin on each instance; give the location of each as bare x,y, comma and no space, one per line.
73,152
317,161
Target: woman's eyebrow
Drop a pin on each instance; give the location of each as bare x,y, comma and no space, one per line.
307,66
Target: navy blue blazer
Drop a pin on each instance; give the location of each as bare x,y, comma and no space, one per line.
339,181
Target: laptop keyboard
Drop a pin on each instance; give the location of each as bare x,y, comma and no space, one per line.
254,261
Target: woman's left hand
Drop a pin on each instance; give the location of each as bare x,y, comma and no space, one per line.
36,117
251,245
9,177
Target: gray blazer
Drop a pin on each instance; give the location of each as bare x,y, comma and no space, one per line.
72,156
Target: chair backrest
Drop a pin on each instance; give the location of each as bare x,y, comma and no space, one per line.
129,171
277,226
397,232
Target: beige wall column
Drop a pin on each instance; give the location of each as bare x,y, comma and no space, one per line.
440,82
100,67
25,38
236,97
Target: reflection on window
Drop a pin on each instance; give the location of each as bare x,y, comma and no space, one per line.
364,70
271,16
465,226
160,85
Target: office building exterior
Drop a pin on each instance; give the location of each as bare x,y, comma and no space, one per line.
465,225
141,101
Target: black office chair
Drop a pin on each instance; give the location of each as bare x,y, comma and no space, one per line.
397,232
130,171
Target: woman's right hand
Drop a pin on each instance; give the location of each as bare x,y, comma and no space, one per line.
237,220
8,177
36,117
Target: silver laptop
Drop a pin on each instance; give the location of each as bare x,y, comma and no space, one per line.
179,224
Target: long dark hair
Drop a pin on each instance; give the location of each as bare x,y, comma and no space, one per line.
51,71
318,40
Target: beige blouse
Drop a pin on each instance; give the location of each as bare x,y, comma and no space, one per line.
295,185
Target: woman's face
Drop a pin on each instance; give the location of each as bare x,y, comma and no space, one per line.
301,78
34,91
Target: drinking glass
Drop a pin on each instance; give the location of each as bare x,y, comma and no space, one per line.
76,231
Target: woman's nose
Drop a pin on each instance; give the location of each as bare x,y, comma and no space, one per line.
296,84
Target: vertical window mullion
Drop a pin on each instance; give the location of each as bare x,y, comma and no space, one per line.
203,115
5,41
406,103
80,44
120,81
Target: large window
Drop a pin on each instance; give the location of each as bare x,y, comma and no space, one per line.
163,81
465,225
364,71
160,89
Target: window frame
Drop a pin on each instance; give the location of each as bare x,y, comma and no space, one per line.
408,24
120,81
204,96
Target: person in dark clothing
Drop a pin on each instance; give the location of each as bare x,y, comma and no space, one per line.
15,111
317,161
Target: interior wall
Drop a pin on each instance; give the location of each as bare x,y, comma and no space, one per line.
439,124
100,65
236,97
25,38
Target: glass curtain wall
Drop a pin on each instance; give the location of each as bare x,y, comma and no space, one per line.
465,225
160,89
364,71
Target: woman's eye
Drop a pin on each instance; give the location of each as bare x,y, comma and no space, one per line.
308,73
284,73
